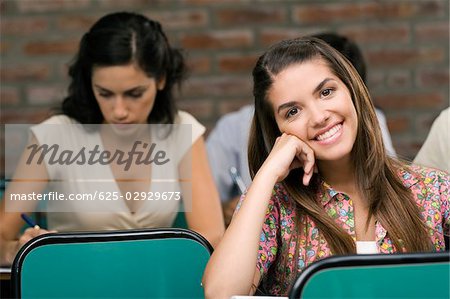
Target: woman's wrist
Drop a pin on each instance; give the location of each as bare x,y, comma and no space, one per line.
9,250
266,176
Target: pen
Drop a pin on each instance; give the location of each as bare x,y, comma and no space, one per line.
237,179
29,221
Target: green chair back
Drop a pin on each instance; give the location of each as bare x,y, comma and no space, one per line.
424,275
154,263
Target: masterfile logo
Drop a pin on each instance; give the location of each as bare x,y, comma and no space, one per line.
97,168
146,156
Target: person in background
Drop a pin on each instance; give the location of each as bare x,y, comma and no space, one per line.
435,151
227,143
123,75
323,183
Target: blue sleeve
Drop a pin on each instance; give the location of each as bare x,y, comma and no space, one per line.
227,147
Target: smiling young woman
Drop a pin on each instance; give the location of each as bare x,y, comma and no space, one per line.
322,181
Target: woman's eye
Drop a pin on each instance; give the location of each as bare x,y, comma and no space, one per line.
326,92
291,112
104,95
135,95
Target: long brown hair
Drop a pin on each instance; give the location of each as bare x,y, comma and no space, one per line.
377,174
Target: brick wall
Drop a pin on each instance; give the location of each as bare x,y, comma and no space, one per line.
406,45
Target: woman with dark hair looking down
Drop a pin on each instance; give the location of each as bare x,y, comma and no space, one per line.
122,79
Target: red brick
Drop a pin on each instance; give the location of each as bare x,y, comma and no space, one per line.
433,77
43,6
132,4
431,7
13,149
201,109
4,48
364,34
210,2
329,13
62,69
4,6
23,26
250,16
2,164
9,96
44,47
25,115
361,34
399,57
217,40
80,23
182,19
398,79
317,13
45,94
438,31
375,79
218,86
271,35
415,100
233,105
237,63
399,124
24,72
198,65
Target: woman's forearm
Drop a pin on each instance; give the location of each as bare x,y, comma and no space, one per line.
8,251
231,269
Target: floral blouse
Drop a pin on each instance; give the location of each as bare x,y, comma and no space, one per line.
431,191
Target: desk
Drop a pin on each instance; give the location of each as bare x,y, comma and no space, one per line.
5,282
257,297
5,273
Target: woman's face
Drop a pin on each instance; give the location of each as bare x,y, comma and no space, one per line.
310,102
125,94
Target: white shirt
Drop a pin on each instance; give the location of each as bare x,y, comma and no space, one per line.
75,179
366,247
435,151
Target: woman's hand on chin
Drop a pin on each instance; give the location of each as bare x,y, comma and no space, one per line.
289,152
